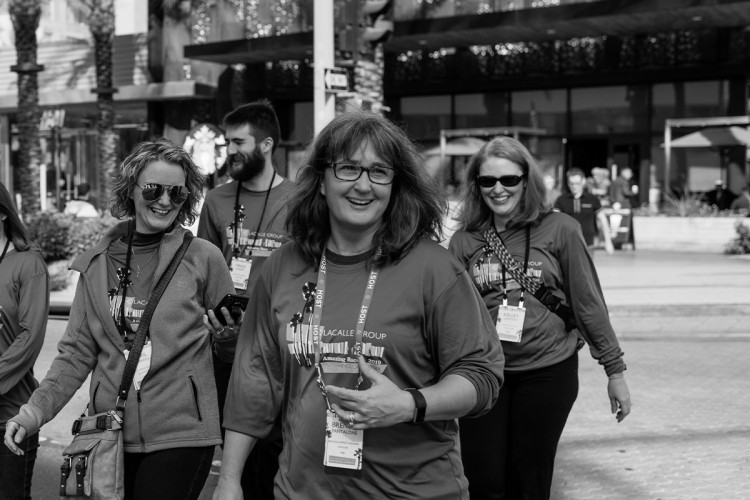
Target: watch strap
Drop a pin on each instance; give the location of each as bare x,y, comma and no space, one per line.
420,405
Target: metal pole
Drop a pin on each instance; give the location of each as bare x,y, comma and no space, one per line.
325,103
667,155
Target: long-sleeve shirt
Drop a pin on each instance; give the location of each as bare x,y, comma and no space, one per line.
24,306
558,256
425,321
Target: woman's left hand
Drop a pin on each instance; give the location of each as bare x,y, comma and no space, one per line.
619,397
219,331
382,405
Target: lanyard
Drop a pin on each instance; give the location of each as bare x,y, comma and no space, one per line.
7,244
318,313
239,216
525,266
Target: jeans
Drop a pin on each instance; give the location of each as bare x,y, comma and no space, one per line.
16,471
509,453
174,474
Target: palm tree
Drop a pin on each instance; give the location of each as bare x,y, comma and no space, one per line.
102,26
25,17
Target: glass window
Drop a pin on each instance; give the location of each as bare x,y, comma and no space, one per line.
604,110
540,109
424,117
481,110
688,100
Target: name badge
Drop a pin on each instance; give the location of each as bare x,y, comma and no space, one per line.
240,271
144,364
509,323
343,447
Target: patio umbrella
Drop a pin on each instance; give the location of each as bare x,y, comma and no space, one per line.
461,146
716,136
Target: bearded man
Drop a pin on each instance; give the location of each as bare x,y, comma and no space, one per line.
245,218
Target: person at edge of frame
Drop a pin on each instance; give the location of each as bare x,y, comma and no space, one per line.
24,307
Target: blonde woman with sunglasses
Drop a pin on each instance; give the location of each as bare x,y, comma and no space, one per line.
537,279
171,419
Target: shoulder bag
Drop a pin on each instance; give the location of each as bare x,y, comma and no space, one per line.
93,464
535,287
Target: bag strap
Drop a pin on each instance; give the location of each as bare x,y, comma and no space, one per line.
148,312
536,287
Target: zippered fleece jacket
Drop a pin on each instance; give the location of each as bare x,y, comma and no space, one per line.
176,406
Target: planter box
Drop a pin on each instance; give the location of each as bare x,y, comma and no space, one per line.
685,234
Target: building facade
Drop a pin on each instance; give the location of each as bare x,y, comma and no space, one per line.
598,77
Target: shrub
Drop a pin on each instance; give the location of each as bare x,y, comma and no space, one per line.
64,237
50,230
741,244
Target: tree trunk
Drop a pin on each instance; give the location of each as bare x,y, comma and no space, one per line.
25,16
102,25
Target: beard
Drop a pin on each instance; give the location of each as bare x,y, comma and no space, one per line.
245,166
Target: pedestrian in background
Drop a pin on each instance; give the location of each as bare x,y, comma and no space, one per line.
24,307
586,209
365,334
171,421
255,203
623,192
511,243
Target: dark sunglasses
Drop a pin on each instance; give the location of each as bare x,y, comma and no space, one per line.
488,181
152,192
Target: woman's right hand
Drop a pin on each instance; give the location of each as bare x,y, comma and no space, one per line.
14,434
228,490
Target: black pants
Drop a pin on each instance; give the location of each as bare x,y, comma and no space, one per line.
16,471
174,474
509,453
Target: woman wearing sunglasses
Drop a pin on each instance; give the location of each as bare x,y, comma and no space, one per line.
365,335
538,281
171,422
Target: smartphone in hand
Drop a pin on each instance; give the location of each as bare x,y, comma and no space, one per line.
234,303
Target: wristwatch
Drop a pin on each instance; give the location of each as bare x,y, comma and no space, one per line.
420,405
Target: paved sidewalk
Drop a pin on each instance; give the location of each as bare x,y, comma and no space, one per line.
683,323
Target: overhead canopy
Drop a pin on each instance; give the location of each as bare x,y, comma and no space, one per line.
715,136
461,146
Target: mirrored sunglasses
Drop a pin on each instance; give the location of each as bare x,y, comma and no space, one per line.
488,181
152,192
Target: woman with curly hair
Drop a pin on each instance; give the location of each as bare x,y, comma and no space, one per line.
171,421
364,334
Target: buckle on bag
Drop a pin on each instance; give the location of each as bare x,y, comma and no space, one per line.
65,473
80,474
76,426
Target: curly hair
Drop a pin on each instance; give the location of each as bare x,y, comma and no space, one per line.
120,203
415,206
475,214
14,228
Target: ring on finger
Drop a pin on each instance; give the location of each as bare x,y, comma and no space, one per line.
351,417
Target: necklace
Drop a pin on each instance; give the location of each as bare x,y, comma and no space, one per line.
138,272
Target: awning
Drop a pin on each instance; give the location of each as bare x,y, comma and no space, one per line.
167,91
714,137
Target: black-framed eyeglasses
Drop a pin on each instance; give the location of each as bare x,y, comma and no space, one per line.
153,191
349,171
488,181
